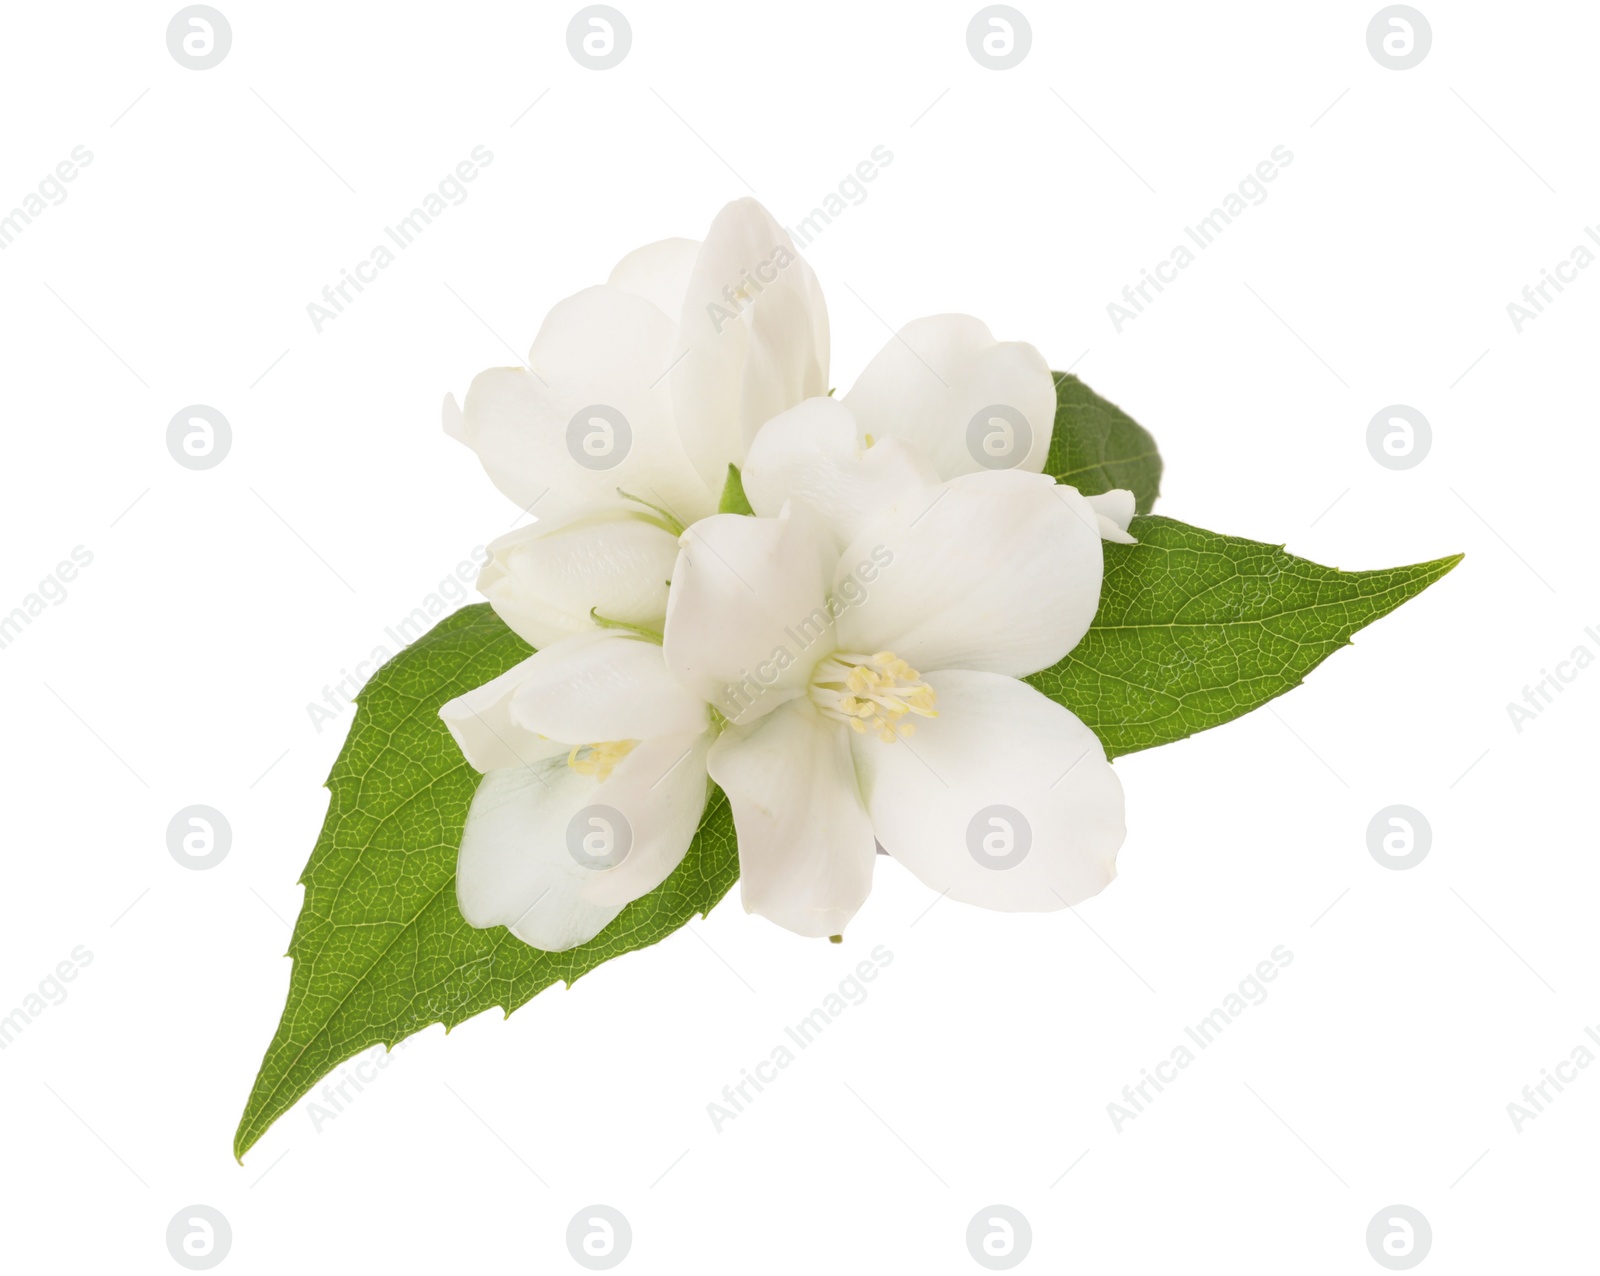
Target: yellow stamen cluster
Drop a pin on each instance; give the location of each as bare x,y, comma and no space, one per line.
872,693
599,760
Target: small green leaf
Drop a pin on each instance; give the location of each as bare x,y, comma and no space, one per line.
1096,446
381,949
734,500
1195,629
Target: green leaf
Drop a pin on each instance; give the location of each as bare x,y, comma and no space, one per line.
1195,629
734,501
1096,446
381,949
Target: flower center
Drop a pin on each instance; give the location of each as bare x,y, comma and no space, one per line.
600,759
872,693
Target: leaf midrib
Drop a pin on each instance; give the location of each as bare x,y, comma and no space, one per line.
1102,464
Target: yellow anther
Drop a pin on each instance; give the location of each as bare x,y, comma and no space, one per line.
872,693
599,760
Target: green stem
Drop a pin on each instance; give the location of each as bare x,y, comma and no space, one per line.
667,522
605,622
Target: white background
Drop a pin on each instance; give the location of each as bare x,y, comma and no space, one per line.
220,603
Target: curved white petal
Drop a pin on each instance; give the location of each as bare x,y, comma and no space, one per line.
935,377
589,417
805,843
817,451
544,580
1114,510
514,869
747,615
997,571
517,866
675,800
603,686
1007,801
752,339
482,726
659,273
455,424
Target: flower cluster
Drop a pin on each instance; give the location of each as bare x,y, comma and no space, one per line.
844,661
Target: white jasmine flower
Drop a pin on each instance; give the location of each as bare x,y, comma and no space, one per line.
941,399
637,396
594,783
827,662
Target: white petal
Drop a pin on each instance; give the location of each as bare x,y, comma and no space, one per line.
674,801
752,341
517,867
1114,510
747,615
514,868
998,571
817,451
805,844
659,273
1005,770
930,382
455,424
481,723
603,686
603,350
544,580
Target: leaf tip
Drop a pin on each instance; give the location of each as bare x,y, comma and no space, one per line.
1433,570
